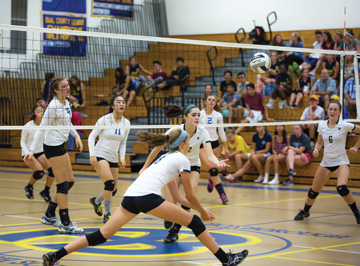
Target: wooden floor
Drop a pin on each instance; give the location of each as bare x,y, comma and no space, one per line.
259,218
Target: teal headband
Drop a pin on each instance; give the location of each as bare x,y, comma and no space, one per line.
188,108
180,139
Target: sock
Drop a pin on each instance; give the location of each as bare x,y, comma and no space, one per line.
276,177
353,207
98,200
176,228
60,253
221,255
307,207
107,204
50,212
223,172
46,188
29,185
64,217
220,189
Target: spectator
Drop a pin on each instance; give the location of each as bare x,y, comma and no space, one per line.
208,91
180,72
228,79
349,67
133,70
233,107
119,79
354,44
239,150
295,59
129,88
332,66
304,83
339,41
41,102
283,89
45,85
327,44
311,61
77,91
350,93
158,76
76,121
313,112
260,150
271,73
241,87
255,107
299,152
277,41
324,87
279,142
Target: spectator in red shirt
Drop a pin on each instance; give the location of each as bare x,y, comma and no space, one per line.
76,121
158,76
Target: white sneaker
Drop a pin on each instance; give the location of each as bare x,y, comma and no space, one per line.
259,179
72,228
50,221
269,105
275,181
312,73
282,104
266,180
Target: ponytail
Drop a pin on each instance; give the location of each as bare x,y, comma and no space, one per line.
54,85
155,140
173,110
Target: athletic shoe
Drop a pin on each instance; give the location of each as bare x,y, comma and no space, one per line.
50,221
291,69
291,172
171,237
29,192
295,106
259,179
312,73
168,224
229,178
224,199
274,182
357,216
288,182
296,68
107,216
45,195
72,228
312,144
269,105
236,258
237,180
97,208
49,259
210,185
301,215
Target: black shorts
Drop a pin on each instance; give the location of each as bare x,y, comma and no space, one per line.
112,165
36,155
142,203
297,91
195,169
214,144
54,151
334,168
172,82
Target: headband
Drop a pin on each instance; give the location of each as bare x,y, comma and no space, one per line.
188,108
348,33
180,139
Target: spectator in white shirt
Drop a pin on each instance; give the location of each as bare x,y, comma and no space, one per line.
311,61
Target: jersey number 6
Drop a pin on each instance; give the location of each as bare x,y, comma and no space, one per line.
330,139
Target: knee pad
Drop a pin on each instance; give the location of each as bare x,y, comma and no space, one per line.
114,192
197,226
38,174
71,185
185,207
63,188
343,190
51,174
109,185
95,238
213,172
312,194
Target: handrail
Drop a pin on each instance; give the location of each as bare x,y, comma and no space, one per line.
147,102
269,24
239,41
210,60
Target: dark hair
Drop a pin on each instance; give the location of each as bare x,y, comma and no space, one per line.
132,57
156,62
173,110
251,85
282,64
180,59
38,99
266,130
241,73
54,85
273,41
227,71
33,116
121,78
155,140
112,101
328,34
350,31
216,107
318,32
72,86
49,75
230,85
284,135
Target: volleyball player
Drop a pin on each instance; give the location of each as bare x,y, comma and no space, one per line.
58,113
144,195
104,156
198,135
39,162
333,134
211,114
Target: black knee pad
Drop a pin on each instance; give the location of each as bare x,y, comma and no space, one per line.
71,185
197,226
95,238
109,185
312,194
51,174
38,174
114,192
213,172
63,188
343,190
185,207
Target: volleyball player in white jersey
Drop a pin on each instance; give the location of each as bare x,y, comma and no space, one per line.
144,195
38,162
333,134
104,156
58,113
210,116
198,135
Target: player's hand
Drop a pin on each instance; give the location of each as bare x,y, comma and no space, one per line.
227,153
207,216
29,155
223,163
93,161
315,153
251,114
122,164
79,143
353,150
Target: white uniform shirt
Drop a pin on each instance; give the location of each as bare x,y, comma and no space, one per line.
319,112
111,141
27,137
56,114
334,143
164,170
213,119
201,136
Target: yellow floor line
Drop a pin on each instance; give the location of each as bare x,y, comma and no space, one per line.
314,261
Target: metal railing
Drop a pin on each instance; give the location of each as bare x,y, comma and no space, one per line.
241,55
269,24
210,61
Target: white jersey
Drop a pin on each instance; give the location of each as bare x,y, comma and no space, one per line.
215,118
111,141
56,114
201,136
27,137
160,173
334,143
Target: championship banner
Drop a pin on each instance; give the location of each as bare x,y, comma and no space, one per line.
113,8
67,6
60,44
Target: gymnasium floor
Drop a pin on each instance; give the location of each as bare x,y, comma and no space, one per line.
259,218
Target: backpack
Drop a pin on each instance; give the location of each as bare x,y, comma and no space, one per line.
257,35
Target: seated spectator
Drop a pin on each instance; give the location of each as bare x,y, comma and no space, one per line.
129,88
119,79
353,44
233,107
45,85
255,107
77,92
324,87
208,91
305,82
133,70
327,44
349,67
350,93
239,150
283,89
295,59
158,76
277,41
76,121
241,87
41,102
332,66
180,72
344,112
339,41
311,61
260,150
279,142
271,73
228,79
313,112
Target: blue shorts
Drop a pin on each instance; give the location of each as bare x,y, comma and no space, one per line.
133,85
311,61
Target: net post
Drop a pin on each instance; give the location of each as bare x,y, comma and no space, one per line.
356,77
341,83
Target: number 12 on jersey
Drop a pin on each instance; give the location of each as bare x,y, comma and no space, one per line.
118,131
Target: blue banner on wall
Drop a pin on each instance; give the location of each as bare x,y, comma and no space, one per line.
113,8
60,44
68,6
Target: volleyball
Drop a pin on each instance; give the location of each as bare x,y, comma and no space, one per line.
260,63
